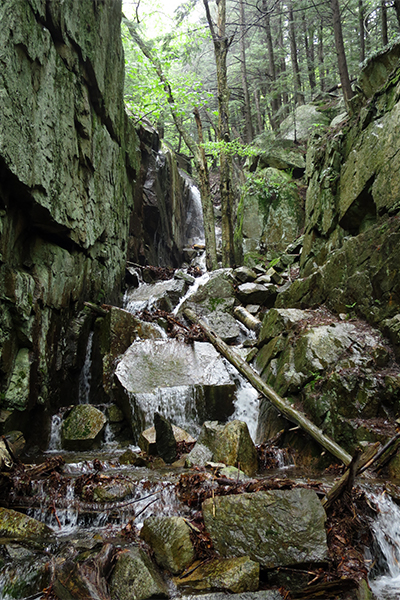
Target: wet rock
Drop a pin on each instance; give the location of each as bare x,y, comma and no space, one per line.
256,293
177,380
26,576
260,595
199,456
230,444
377,70
16,525
165,440
114,491
17,394
83,428
115,414
163,295
169,538
236,575
277,321
136,578
233,473
274,528
147,439
224,325
129,457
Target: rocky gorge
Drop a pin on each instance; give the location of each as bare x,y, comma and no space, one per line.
88,200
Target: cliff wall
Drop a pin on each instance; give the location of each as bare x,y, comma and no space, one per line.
69,158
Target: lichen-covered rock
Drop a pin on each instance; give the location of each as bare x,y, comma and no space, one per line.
230,444
135,577
274,528
199,456
301,125
169,538
16,525
82,428
235,575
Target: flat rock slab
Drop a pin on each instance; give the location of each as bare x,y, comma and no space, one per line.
274,528
232,574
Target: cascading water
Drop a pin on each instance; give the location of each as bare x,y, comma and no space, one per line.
86,373
386,529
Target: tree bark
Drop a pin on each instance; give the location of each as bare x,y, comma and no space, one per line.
385,37
258,111
341,56
249,132
280,403
221,46
396,4
199,155
276,100
321,64
308,32
207,203
298,95
361,29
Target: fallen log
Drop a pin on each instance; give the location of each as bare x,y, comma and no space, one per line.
280,403
247,319
346,481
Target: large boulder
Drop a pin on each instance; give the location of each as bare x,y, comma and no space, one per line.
83,428
163,295
274,528
184,383
147,439
169,538
136,578
300,126
235,575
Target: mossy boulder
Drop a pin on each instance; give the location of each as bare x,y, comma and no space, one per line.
18,526
83,428
300,126
274,528
169,538
136,577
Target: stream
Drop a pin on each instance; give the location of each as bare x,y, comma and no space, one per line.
134,493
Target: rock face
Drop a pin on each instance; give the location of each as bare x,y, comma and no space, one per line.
184,383
307,118
71,204
352,236
274,528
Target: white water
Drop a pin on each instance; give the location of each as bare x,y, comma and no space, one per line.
55,434
192,290
194,219
386,529
86,373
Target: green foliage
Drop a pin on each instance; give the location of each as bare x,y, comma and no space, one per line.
270,188
232,148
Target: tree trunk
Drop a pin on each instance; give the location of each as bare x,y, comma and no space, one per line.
321,64
199,156
280,403
396,4
341,56
258,111
281,72
221,46
298,95
207,203
361,29
276,100
249,133
309,47
385,38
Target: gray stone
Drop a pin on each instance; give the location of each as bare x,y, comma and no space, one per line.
244,274
278,320
255,293
199,456
275,528
164,295
307,119
169,538
147,439
136,578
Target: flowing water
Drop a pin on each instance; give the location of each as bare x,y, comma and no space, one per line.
386,529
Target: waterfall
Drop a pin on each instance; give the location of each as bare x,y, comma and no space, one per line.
55,433
194,227
386,529
86,373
